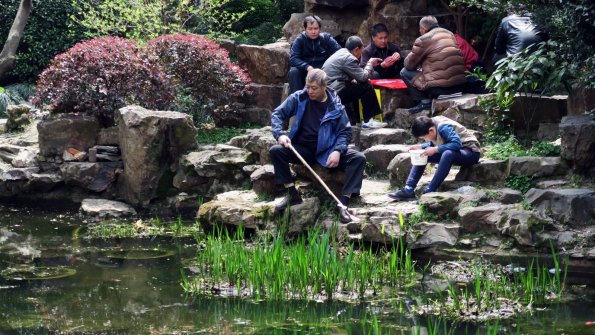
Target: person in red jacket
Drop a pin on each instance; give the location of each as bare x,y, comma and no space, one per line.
467,52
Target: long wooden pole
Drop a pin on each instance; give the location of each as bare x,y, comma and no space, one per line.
316,176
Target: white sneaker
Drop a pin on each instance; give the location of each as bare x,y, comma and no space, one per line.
374,124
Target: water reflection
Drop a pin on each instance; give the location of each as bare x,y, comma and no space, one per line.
136,296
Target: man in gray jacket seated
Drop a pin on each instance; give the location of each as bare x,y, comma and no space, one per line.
350,81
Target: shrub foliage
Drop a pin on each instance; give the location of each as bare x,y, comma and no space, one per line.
49,31
188,73
200,68
101,75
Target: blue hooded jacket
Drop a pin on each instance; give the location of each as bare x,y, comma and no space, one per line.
335,130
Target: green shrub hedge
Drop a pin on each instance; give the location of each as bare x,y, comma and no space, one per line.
49,31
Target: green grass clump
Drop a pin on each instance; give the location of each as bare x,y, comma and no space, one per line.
140,228
519,183
217,135
311,267
510,147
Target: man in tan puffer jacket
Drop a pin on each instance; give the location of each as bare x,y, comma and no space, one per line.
434,65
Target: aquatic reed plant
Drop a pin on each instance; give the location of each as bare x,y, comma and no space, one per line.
439,326
312,266
493,289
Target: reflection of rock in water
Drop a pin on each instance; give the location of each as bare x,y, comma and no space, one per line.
14,244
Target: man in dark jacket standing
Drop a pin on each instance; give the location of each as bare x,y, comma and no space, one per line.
434,64
351,83
389,53
309,51
320,133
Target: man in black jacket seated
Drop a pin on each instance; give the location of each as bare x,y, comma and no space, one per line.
389,53
309,51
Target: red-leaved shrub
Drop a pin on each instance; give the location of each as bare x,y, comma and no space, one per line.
99,76
202,67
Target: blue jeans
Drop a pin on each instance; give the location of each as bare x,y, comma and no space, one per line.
445,160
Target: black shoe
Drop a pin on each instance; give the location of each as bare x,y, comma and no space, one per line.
420,107
402,195
288,199
345,216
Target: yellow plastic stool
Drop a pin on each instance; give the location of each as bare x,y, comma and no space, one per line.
361,108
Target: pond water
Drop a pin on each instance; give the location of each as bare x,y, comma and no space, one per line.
110,294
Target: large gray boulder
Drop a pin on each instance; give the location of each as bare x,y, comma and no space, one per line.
487,171
18,156
381,229
398,169
482,218
381,155
432,234
266,96
536,166
577,133
152,143
67,131
266,64
215,170
236,208
575,207
257,141
263,179
372,137
442,203
105,209
399,117
508,220
96,177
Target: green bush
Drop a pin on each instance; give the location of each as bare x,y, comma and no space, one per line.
288,7
13,95
512,148
49,31
257,12
544,149
265,33
519,183
570,24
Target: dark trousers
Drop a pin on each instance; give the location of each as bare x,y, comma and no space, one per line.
296,79
352,162
427,95
365,92
445,160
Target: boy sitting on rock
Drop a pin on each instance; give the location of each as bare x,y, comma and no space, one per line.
447,143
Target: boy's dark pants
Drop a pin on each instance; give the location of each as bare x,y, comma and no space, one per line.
445,160
352,162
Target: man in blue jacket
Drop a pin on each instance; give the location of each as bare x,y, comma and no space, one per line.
309,51
320,133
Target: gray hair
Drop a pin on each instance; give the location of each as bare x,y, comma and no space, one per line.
312,19
318,76
353,42
428,22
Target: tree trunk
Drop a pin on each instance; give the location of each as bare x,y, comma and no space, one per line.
7,56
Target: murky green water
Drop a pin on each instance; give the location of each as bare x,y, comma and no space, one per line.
130,296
